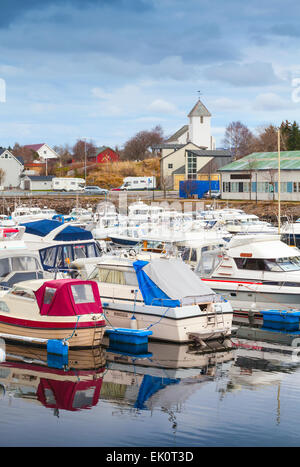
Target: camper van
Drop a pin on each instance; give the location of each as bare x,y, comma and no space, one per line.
139,183
68,184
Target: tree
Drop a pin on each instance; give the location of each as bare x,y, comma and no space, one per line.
266,139
27,154
82,149
291,133
239,139
138,147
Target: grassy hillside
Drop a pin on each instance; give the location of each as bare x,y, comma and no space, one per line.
111,174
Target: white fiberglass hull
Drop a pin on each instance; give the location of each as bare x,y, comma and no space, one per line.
170,324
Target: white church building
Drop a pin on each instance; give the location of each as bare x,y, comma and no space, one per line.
190,153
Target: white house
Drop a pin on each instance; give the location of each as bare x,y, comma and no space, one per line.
43,150
36,182
12,167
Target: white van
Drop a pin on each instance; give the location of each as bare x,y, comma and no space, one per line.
68,184
139,183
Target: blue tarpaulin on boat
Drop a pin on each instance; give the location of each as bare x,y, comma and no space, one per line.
45,226
152,294
42,227
150,385
71,233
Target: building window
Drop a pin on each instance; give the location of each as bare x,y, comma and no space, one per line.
170,166
191,166
201,119
226,187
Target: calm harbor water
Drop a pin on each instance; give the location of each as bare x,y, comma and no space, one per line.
243,393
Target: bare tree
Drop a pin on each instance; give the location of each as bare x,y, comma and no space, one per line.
266,139
139,146
239,139
2,176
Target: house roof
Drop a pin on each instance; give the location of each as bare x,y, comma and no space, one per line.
289,160
19,158
199,110
168,146
178,133
40,178
34,147
211,152
179,171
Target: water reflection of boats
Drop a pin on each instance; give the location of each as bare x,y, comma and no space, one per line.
164,376
26,374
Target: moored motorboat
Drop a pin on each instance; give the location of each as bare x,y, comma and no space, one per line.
39,310
256,273
161,294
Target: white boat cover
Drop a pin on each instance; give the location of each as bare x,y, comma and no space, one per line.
178,281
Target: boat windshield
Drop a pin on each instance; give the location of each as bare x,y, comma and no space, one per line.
291,263
284,264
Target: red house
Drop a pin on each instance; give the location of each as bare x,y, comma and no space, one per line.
104,154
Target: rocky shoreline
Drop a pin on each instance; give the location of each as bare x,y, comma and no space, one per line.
265,210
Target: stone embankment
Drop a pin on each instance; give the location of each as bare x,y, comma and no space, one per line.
266,210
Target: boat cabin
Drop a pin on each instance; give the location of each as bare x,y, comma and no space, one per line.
62,297
59,244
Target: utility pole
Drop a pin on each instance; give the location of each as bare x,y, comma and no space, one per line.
279,210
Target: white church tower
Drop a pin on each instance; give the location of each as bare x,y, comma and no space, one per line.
199,127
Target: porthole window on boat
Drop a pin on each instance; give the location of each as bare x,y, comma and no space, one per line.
49,294
82,293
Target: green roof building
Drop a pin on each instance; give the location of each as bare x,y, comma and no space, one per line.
256,177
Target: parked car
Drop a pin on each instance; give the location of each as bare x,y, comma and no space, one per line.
116,189
213,194
95,189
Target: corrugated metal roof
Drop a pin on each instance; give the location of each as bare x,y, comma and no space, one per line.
289,160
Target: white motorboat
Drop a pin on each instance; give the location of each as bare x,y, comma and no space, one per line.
31,213
59,243
255,272
290,233
16,262
163,295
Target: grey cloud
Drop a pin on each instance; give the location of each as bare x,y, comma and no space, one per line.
244,75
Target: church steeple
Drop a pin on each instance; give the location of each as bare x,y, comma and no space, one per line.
199,125
199,110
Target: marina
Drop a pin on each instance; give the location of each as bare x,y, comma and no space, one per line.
192,332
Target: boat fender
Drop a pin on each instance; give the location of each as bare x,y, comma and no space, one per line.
133,322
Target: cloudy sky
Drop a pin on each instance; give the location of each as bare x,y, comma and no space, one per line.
106,69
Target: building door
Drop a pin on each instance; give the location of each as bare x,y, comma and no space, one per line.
27,185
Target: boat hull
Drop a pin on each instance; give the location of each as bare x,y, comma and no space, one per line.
206,326
83,337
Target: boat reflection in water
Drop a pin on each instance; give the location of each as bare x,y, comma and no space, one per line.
263,357
162,375
31,374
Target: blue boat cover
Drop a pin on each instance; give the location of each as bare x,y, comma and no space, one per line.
72,233
45,226
150,385
152,294
42,227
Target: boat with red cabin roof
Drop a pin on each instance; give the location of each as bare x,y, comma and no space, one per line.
38,310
